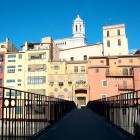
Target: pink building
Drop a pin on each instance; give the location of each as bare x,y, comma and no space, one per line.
112,75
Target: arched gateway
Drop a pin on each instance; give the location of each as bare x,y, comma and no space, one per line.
81,96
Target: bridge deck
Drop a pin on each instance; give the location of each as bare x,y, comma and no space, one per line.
82,124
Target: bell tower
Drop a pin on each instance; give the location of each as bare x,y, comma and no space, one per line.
78,28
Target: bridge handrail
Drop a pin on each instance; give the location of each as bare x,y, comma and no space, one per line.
121,110
24,114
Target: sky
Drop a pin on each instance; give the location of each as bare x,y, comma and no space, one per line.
31,20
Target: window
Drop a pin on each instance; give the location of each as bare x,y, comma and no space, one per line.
130,60
1,57
0,82
107,33
0,95
81,79
104,83
118,32
42,56
83,69
51,83
76,28
2,46
75,68
38,56
56,67
1,69
108,43
11,69
101,61
11,83
125,71
85,57
61,96
103,97
12,56
60,80
19,67
32,57
119,42
70,79
69,82
60,84
19,80
96,70
131,71
72,59
20,56
107,71
51,80
36,80
124,84
119,61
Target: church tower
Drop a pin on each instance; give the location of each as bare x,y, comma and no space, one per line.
78,36
78,28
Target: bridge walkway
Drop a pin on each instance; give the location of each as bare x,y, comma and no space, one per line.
83,124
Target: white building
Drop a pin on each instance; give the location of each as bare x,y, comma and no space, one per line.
78,36
114,40
75,48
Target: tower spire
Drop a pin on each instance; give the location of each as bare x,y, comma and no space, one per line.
78,27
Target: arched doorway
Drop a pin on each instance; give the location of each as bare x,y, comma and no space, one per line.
81,98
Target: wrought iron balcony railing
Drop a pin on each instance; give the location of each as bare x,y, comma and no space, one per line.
113,74
123,87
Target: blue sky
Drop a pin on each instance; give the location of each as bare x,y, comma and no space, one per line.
30,20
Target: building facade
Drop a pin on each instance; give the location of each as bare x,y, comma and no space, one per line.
72,71
108,76
5,47
114,38
68,80
78,36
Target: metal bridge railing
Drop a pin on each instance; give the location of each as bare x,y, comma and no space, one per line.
122,110
24,114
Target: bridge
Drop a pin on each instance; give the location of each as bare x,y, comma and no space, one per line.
26,115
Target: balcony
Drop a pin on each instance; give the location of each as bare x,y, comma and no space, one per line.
125,87
38,46
113,74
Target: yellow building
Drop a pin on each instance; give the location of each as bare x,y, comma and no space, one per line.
37,57
68,80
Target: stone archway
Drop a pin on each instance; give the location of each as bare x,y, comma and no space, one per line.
81,97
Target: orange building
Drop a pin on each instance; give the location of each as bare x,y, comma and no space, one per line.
112,75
